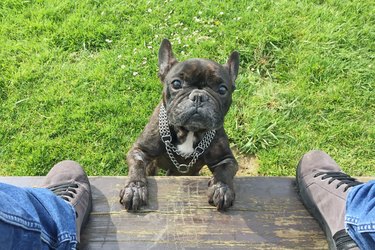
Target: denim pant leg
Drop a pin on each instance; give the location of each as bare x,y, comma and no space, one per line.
35,218
360,215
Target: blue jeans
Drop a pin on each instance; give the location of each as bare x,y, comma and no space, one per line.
360,215
35,218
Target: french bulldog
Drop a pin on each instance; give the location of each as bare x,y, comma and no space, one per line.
186,131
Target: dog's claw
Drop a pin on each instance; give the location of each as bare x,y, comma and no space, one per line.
221,196
134,195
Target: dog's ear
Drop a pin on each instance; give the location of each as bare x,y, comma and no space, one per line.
166,58
233,65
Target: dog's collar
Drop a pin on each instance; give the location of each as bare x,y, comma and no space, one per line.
166,137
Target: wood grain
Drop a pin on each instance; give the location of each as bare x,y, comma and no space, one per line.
267,214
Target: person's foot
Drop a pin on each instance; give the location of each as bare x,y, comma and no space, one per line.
68,180
323,188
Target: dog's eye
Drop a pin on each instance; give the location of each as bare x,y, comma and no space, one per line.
223,89
176,84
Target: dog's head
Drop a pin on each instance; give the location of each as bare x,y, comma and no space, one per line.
197,93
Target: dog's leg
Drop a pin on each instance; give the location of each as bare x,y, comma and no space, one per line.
139,158
152,169
220,187
134,194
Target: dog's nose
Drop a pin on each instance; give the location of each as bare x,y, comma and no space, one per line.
198,96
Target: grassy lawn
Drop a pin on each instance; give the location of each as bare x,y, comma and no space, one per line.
78,79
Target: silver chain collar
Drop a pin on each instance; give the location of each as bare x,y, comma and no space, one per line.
166,137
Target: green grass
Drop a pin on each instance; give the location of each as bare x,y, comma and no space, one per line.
78,79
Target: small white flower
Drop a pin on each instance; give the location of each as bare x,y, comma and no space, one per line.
149,10
221,13
123,66
135,73
108,41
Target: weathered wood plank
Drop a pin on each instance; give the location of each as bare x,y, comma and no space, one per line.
267,214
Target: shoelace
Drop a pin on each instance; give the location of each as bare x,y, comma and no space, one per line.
342,177
67,191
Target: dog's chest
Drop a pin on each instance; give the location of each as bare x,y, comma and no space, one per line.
186,148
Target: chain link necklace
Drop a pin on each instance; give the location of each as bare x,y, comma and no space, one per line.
166,137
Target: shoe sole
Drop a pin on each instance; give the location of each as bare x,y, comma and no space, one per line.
87,215
85,220
314,211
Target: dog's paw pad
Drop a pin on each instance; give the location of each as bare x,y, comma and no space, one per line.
134,195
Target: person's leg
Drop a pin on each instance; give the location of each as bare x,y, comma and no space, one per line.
36,218
68,180
360,215
323,188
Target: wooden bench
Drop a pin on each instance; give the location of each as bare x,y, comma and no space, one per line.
267,214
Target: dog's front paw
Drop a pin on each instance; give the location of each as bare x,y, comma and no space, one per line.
220,195
134,195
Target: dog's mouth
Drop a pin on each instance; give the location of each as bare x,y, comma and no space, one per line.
189,129
196,119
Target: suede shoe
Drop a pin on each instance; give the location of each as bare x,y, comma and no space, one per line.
68,180
323,188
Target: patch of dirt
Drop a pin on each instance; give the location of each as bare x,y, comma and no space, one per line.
248,165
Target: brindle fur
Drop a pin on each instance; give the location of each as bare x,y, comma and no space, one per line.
148,152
